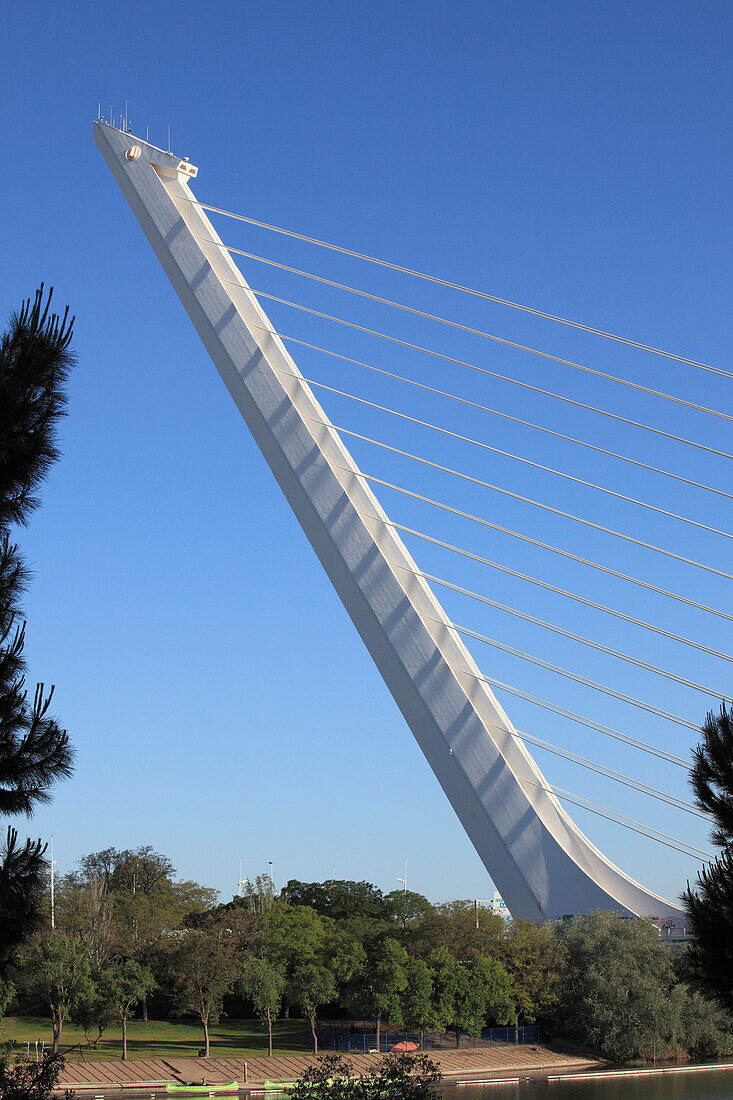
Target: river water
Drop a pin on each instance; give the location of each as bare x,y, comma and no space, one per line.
702,1084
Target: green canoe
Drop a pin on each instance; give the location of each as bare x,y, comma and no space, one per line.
234,1087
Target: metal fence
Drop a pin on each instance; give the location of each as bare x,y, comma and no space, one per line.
363,1041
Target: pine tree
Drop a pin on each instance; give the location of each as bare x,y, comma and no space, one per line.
34,751
709,906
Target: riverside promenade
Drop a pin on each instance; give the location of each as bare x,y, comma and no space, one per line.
151,1074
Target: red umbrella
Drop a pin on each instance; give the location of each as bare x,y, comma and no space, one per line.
404,1047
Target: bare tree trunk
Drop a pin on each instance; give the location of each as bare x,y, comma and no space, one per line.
145,1009
124,1038
379,1020
313,1033
207,1048
57,1024
269,1034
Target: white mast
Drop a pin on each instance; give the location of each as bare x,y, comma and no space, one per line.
542,863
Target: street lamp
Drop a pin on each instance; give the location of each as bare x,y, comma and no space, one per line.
53,864
479,902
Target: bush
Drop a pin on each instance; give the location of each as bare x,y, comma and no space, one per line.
23,1079
396,1077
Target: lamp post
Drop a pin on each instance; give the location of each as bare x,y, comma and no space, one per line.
478,903
53,864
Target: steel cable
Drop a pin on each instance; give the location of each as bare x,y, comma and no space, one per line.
473,331
482,370
497,412
466,290
534,503
509,454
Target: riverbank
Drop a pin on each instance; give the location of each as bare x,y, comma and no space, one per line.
230,1038
459,1066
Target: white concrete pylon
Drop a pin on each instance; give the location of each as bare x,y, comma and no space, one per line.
538,858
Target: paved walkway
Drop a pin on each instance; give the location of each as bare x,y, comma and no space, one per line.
155,1073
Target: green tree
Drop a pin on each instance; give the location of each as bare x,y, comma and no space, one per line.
295,936
25,1079
615,984
396,1077
709,904
55,966
380,985
263,984
84,908
531,956
339,899
34,750
406,907
258,896
91,1009
331,1076
458,926
204,969
489,995
417,998
696,1025
313,985
406,1077
124,985
464,996
445,974
123,903
7,992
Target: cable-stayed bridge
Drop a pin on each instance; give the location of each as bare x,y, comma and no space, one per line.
581,516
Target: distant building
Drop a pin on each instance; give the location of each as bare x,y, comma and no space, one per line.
498,906
673,931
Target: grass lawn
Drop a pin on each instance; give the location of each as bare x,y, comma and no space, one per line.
163,1038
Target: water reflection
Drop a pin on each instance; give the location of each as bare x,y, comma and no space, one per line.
713,1084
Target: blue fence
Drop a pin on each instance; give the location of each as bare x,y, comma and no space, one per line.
365,1042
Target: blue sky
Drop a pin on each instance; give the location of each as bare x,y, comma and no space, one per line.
573,156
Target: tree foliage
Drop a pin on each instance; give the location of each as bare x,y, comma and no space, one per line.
396,1077
711,775
339,899
417,998
532,957
710,910
458,926
709,904
616,980
263,983
7,992
465,997
313,984
35,752
56,968
122,986
380,985
203,969
25,1079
